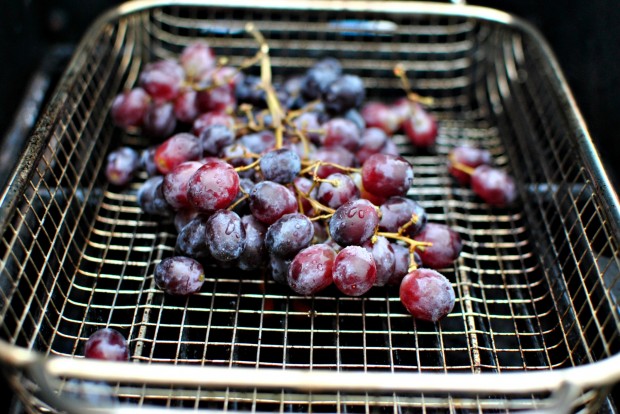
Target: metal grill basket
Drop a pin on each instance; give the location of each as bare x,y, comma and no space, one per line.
536,323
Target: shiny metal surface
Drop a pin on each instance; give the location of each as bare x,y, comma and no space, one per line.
536,324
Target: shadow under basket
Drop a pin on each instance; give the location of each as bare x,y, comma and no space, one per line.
536,323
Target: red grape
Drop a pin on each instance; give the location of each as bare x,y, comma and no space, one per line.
340,132
495,186
380,115
446,245
269,201
213,186
355,271
121,165
387,175
174,187
107,344
383,255
162,79
421,127
469,157
129,107
197,58
337,190
175,150
311,269
427,294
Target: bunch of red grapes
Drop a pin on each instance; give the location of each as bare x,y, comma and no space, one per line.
300,178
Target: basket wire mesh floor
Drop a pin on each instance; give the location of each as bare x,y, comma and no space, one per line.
535,285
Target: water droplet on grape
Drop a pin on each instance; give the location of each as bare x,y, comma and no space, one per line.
230,228
361,214
352,212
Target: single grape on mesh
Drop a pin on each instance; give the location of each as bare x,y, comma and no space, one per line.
107,344
179,275
213,186
427,294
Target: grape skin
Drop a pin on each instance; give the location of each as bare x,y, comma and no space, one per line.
179,275
280,166
107,344
354,222
427,294
289,234
213,186
311,269
446,245
355,271
387,175
269,201
225,235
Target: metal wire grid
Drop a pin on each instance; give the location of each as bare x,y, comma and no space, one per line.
533,284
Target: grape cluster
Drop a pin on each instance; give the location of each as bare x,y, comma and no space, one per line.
300,178
473,166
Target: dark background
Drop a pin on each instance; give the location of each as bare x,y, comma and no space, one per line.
585,36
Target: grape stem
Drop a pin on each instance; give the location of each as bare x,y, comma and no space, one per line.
240,200
460,166
248,167
314,165
399,71
413,220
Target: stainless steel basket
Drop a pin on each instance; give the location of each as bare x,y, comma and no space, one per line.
536,324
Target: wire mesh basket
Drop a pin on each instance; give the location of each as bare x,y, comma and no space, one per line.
536,323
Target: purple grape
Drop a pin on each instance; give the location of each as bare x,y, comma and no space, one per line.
151,197
225,235
255,253
121,165
445,249
280,165
287,236
179,275
192,239
383,255
344,93
129,108
397,211
354,222
216,137
159,120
